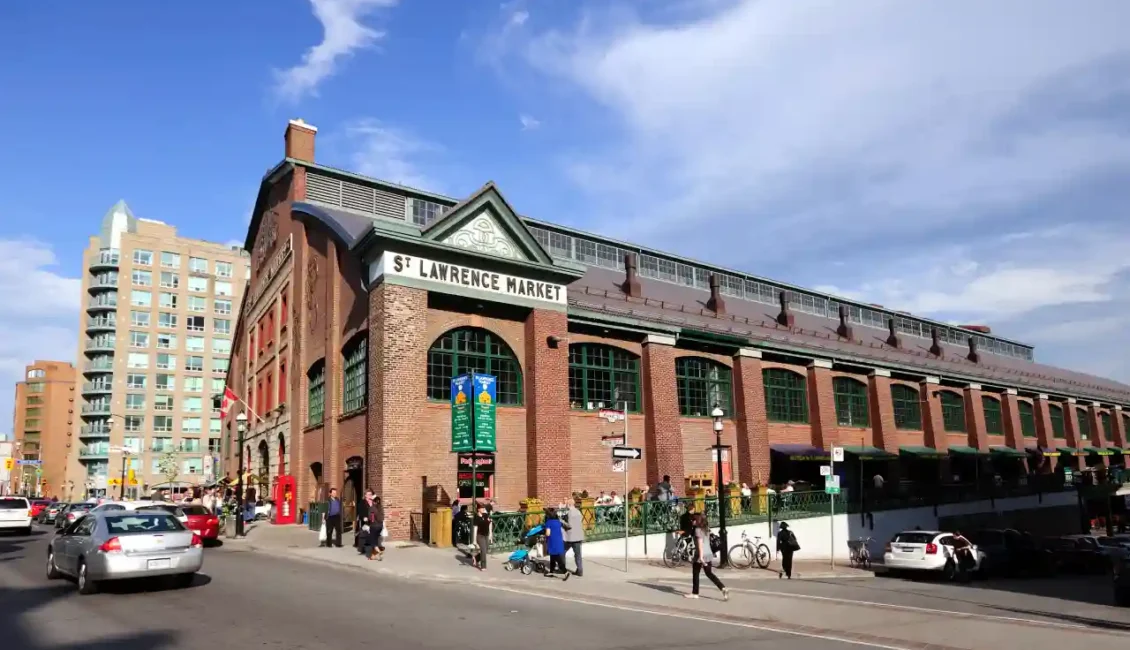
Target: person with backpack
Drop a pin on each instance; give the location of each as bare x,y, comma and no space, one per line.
786,545
703,556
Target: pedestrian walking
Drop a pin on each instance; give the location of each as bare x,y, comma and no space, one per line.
333,520
703,556
484,535
575,534
555,543
371,515
786,545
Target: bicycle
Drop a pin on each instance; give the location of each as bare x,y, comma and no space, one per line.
860,553
681,551
745,554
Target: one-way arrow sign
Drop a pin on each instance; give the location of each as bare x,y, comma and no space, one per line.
632,453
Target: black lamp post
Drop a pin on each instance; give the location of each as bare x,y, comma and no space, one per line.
723,502
241,428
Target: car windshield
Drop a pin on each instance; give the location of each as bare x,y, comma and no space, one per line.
13,504
914,538
81,506
140,522
196,510
172,510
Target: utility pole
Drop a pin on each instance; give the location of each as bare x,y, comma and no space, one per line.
241,428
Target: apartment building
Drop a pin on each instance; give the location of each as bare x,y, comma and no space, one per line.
155,339
43,421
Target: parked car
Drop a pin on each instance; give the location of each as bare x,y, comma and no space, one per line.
38,506
1077,556
171,508
15,514
124,545
1012,553
1121,579
72,513
202,521
51,512
926,551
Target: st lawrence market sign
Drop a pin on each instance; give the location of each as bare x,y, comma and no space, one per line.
452,278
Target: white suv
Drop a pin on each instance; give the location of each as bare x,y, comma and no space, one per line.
15,513
925,550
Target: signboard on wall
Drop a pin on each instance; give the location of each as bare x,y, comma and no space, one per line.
486,394
452,278
461,413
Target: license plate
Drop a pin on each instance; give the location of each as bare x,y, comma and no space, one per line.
159,564
907,549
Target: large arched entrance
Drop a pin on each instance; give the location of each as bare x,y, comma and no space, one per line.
352,488
282,455
263,476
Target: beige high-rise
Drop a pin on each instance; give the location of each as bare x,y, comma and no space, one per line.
45,412
158,316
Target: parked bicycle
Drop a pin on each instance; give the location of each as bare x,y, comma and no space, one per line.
860,553
750,551
683,550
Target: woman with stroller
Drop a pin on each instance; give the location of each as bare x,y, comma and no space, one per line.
555,543
703,556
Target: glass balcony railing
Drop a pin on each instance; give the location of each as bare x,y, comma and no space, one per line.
92,387
98,408
103,363
96,324
101,344
103,302
105,260
94,431
94,452
103,282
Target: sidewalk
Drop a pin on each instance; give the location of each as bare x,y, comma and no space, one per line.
417,561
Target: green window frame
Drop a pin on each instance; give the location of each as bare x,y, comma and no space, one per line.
1105,434
1083,423
786,396
907,407
701,384
472,349
850,396
599,373
994,422
316,395
1027,419
355,375
1055,414
953,411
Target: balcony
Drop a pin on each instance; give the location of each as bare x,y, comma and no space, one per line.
104,302
96,453
89,410
105,261
93,431
96,324
100,344
103,282
97,387
101,364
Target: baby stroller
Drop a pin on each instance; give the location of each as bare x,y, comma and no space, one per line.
528,560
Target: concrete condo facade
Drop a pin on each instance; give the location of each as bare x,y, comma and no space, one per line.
366,297
44,416
155,338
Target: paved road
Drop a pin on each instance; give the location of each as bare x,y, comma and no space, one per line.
249,600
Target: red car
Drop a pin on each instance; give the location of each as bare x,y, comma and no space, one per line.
38,506
202,521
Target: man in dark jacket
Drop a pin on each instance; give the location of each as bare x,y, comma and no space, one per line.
333,520
786,546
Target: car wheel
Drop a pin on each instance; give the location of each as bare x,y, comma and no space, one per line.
86,586
949,571
27,531
52,570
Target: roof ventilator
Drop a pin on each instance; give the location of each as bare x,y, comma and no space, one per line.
844,330
973,355
893,339
785,318
716,304
935,346
631,285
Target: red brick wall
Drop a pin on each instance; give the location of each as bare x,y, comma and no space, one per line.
861,436
1010,414
882,413
549,466
975,419
1118,427
661,402
1071,425
931,406
592,461
752,428
698,438
821,406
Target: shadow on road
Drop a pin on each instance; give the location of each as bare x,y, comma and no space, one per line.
11,546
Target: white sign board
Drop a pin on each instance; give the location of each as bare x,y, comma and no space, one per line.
100,482
443,275
619,465
825,470
837,454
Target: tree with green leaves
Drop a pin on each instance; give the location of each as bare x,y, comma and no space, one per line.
169,466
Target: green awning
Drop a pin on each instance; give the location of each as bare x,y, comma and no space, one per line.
1008,452
1099,451
869,453
922,452
962,450
1070,451
1119,450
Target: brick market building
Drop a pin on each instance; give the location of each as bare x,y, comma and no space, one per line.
365,297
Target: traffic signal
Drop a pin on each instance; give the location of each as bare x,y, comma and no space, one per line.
9,464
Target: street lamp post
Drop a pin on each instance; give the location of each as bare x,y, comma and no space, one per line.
241,428
723,502
122,485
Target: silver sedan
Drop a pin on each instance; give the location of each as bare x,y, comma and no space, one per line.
121,545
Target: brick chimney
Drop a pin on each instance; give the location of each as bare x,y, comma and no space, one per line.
973,356
785,318
299,138
844,330
935,347
631,285
716,304
893,339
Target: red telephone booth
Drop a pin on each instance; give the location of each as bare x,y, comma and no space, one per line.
285,488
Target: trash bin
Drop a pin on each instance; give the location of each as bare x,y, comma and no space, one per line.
439,528
229,527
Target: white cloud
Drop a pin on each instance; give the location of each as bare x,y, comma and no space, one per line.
389,153
528,122
41,312
344,33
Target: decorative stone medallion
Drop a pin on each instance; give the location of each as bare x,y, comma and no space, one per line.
483,234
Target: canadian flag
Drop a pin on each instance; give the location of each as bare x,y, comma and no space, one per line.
229,399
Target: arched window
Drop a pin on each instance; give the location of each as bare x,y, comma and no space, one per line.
355,374
1105,434
908,411
1055,414
316,394
1027,419
471,349
953,411
282,455
603,374
701,384
851,402
994,423
786,396
1084,423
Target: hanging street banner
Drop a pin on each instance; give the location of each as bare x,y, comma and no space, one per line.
461,412
486,394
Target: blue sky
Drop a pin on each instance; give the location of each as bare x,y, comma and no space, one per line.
941,157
